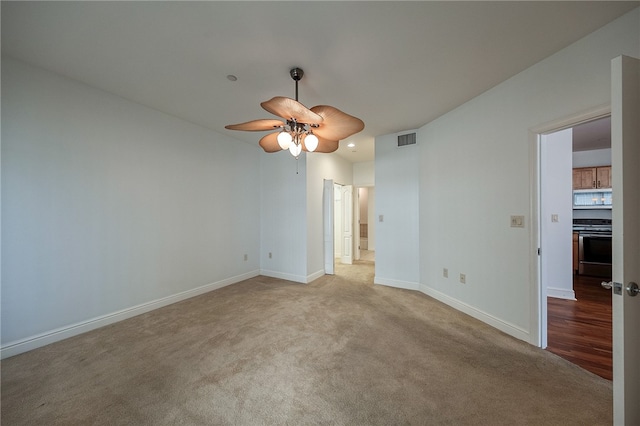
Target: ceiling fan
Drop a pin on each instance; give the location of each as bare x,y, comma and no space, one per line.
318,129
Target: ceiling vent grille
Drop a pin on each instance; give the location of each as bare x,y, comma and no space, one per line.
408,139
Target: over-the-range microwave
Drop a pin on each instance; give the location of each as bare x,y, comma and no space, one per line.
592,198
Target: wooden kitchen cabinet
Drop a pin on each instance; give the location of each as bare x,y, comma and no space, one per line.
592,177
603,177
584,178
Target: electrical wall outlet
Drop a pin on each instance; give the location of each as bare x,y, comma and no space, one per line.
445,272
246,257
554,218
517,221
463,278
270,255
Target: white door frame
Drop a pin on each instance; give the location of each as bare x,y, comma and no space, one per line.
347,224
538,335
356,221
337,220
328,223
327,227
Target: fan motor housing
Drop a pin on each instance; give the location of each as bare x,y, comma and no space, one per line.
296,73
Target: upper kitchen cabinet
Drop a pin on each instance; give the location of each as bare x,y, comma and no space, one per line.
592,177
584,178
603,177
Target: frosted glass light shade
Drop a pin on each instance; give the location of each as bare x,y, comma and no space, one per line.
295,149
284,140
311,142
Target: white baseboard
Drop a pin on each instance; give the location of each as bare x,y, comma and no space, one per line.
61,333
407,285
283,276
561,293
510,329
295,278
315,275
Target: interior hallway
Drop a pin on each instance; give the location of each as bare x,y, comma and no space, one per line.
368,255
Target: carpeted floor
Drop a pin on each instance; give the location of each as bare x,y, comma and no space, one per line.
339,351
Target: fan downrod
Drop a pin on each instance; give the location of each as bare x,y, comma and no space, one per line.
296,74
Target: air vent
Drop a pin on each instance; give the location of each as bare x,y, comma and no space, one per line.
408,139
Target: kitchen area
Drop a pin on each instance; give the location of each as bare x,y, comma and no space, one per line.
592,200
592,192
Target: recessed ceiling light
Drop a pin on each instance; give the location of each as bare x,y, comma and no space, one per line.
232,77
351,145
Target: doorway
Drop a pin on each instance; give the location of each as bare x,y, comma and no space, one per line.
575,309
337,222
366,224
349,228
361,269
338,234
344,216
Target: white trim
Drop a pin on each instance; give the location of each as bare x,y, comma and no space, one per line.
328,227
407,285
510,329
537,310
283,276
561,293
61,333
315,275
585,116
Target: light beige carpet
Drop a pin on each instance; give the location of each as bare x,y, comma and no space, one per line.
339,351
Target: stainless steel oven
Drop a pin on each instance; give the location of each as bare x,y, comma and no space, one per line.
594,254
594,246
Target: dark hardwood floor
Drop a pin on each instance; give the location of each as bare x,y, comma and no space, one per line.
580,331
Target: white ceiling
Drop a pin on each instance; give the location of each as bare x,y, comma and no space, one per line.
591,135
395,65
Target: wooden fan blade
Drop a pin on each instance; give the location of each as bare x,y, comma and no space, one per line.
256,125
324,145
287,108
270,143
337,125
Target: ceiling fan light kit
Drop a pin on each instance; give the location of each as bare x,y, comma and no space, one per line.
318,129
